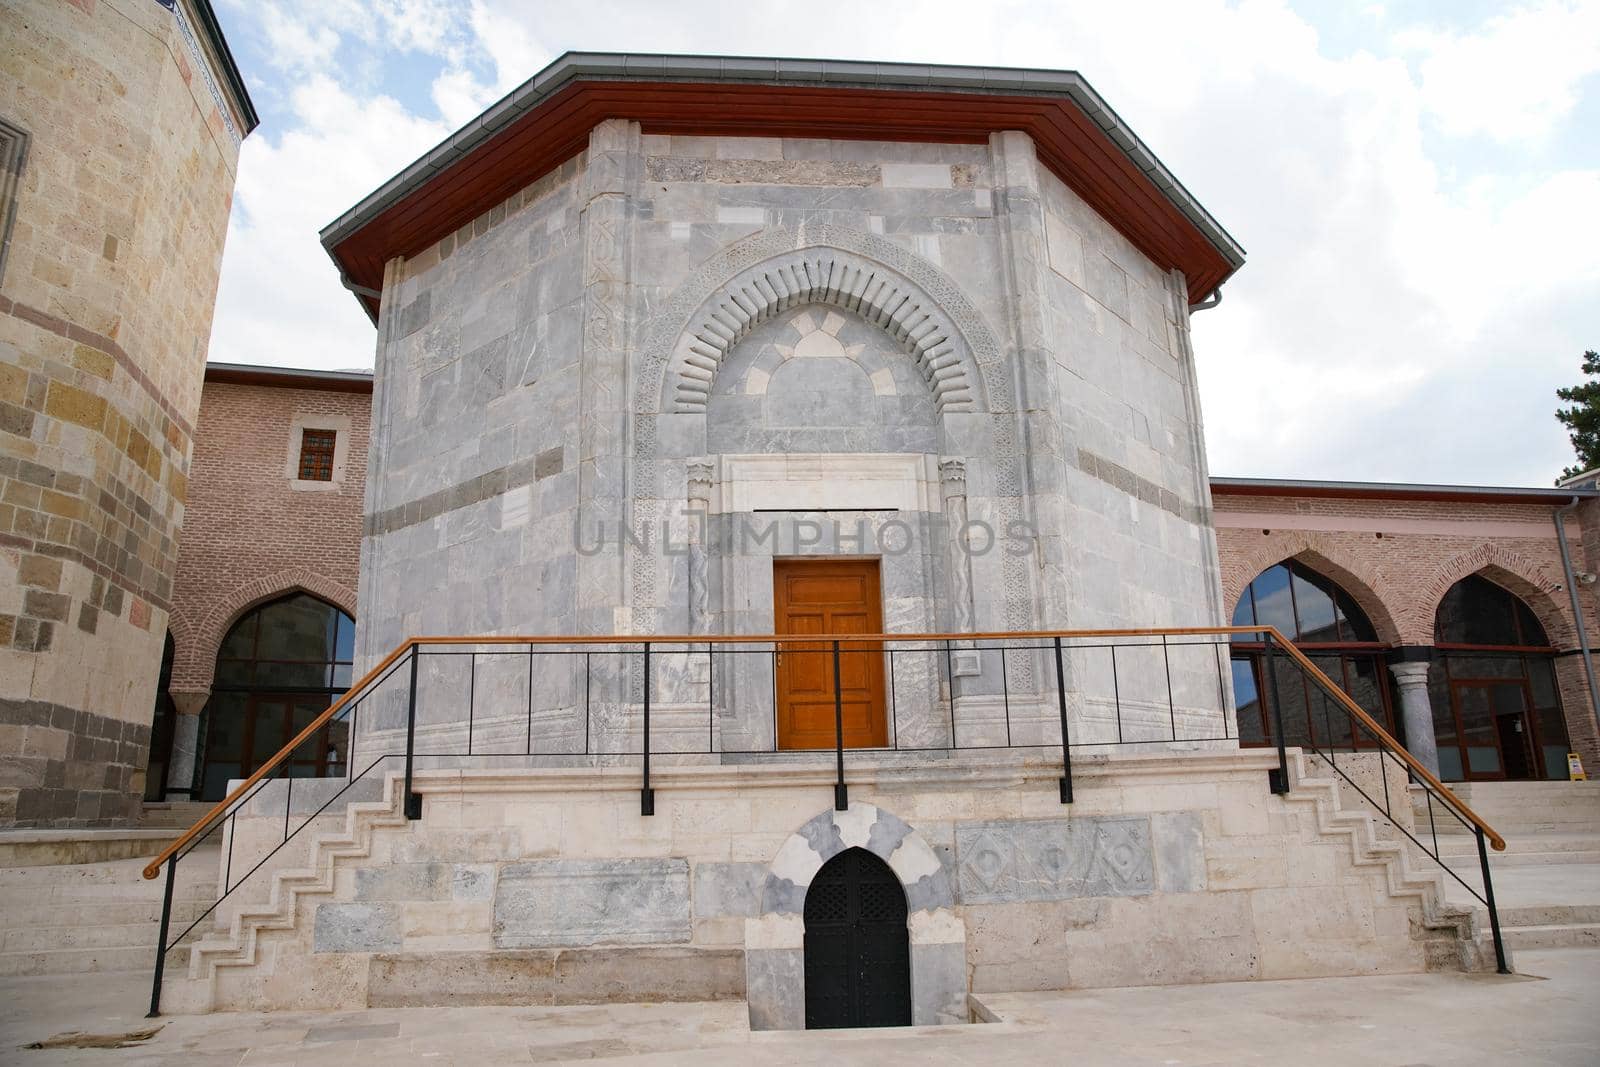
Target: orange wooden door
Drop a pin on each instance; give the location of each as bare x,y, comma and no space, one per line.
829,596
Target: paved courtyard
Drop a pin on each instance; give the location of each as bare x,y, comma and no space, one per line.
1544,1016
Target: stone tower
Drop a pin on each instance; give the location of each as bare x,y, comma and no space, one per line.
121,122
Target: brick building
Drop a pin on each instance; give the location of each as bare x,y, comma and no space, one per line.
120,126
275,496
1411,557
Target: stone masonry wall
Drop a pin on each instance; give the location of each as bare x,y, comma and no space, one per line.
552,888
606,358
105,312
1398,558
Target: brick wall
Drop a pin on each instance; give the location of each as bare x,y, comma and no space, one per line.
252,531
1399,557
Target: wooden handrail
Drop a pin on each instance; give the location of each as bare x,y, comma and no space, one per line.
153,868
1498,842
221,807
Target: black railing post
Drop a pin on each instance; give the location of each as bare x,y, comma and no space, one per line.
841,795
161,939
647,796
413,801
1279,777
1066,741
1488,899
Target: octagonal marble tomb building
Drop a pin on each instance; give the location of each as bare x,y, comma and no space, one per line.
664,343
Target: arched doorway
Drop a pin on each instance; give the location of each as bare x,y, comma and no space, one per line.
279,666
857,949
1327,625
1496,709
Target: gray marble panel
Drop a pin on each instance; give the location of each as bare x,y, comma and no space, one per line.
356,928
404,881
552,903
938,983
775,988
1180,851
1053,859
728,889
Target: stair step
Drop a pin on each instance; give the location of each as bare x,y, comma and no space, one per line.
1498,860
57,938
1547,915
1565,935
109,913
77,961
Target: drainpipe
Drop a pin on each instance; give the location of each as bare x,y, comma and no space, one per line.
1207,304
1577,610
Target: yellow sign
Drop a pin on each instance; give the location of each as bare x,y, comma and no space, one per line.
1575,768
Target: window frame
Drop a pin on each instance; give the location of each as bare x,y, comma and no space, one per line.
319,453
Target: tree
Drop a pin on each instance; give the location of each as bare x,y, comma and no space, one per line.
1582,419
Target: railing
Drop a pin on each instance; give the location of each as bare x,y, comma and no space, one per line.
591,700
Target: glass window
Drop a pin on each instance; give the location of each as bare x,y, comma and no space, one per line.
1317,617
1498,713
316,455
1247,698
1310,610
280,665
1475,611
1274,601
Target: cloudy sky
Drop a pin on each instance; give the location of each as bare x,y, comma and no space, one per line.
1417,185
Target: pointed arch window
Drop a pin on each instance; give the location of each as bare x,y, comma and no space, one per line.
1496,705
280,665
1325,621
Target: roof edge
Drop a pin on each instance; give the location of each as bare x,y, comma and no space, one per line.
647,67
1399,491
338,381
212,29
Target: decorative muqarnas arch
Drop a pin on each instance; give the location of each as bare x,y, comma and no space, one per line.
835,278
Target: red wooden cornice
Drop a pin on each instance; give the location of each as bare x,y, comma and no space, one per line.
547,121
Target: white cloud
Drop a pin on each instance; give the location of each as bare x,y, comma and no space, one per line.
280,301
1513,78
1406,312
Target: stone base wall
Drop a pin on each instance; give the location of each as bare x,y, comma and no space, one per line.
548,886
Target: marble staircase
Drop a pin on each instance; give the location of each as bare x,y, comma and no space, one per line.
1547,881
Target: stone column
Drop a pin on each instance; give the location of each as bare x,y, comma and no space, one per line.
1417,712
698,514
185,743
953,478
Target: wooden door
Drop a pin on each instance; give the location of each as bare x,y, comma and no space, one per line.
829,596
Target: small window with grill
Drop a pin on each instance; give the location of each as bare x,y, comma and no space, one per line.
316,455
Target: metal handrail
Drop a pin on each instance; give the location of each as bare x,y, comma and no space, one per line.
153,869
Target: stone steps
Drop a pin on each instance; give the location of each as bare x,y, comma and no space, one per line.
174,814
1497,860
79,960
94,917
39,938
1562,935
111,913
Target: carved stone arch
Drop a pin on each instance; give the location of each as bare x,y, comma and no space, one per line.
1325,556
656,385
774,940
195,660
1512,571
833,278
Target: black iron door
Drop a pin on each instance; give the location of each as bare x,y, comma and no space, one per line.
858,954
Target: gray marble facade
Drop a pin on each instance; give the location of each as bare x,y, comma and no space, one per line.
581,397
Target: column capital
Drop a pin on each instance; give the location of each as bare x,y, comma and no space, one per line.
1410,674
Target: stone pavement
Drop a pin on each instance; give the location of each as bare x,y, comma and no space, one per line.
1544,1016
